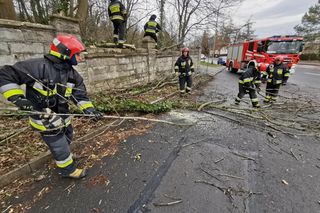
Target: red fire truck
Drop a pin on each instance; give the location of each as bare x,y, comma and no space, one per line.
248,53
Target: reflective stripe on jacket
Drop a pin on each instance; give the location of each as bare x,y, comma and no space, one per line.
38,124
151,27
117,11
184,65
40,74
250,78
277,73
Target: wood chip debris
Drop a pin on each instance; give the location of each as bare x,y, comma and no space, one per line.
137,157
168,204
217,161
285,182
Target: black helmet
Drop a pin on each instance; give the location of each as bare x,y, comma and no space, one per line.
153,17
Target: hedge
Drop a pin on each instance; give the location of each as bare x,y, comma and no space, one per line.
310,57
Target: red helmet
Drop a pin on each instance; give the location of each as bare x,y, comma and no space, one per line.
66,46
262,67
185,49
279,58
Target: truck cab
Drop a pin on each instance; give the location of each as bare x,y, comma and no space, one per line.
248,53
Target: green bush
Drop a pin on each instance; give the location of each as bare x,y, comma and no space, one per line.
128,105
310,57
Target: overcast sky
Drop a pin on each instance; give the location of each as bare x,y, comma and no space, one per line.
272,17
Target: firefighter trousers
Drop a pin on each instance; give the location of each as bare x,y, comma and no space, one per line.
59,146
252,94
118,31
183,80
272,91
152,35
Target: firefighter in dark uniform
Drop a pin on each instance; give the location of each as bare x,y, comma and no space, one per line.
278,74
51,82
118,15
184,70
151,28
249,83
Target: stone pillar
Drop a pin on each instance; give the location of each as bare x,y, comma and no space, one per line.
148,43
65,25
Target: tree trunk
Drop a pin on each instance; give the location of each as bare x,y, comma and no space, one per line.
7,10
161,37
82,10
71,8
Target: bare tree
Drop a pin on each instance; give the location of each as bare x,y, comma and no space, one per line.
7,10
82,12
198,14
220,8
161,5
205,43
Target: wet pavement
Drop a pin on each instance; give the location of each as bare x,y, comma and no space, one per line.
222,163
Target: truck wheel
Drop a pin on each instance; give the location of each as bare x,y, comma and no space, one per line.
231,69
251,66
234,70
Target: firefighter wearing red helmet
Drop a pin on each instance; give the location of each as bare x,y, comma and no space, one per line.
51,82
184,70
249,83
278,74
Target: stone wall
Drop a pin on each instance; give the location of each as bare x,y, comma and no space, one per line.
104,68
107,69
24,40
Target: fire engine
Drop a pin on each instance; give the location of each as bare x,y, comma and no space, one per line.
246,54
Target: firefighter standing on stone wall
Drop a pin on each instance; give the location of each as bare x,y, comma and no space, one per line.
278,74
118,15
51,82
249,83
151,28
184,70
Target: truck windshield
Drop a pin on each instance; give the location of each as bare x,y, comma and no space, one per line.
284,47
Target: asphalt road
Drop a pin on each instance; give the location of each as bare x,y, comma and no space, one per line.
222,163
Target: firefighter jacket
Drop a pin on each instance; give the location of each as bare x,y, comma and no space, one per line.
117,11
250,78
277,73
152,27
184,66
50,83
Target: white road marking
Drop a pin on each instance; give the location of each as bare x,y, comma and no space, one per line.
309,73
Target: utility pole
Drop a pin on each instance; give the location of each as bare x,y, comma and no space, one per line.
216,33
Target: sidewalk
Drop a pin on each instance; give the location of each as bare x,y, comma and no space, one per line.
313,63
211,70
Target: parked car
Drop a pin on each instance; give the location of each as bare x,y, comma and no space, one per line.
222,60
203,57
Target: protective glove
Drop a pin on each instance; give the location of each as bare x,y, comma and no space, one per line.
92,111
51,120
23,104
177,74
189,73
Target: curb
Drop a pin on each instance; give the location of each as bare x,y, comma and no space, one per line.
43,158
25,169
312,63
217,70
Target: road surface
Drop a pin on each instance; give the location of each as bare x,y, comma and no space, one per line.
222,163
